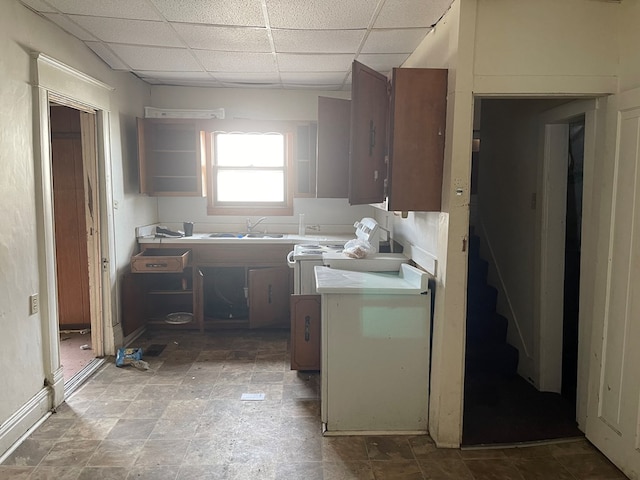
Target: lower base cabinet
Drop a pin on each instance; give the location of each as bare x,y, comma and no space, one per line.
305,332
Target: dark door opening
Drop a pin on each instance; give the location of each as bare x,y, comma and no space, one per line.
572,261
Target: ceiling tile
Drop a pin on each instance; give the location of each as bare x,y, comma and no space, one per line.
383,63
320,14
236,62
411,13
394,41
313,78
67,25
38,5
108,8
251,85
201,76
108,56
157,58
293,62
317,41
216,12
230,39
247,77
135,32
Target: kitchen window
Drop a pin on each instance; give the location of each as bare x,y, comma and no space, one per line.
251,170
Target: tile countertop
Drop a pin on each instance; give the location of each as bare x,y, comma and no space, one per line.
407,281
205,238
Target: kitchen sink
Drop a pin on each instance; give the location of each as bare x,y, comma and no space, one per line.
226,235
264,235
245,235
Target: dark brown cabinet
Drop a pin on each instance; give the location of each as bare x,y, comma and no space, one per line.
334,118
172,157
305,332
369,114
411,136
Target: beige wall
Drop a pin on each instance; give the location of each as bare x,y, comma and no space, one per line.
21,338
546,46
629,39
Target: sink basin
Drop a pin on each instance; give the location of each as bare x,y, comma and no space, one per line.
226,235
245,235
264,235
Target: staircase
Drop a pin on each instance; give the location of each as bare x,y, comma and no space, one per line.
489,358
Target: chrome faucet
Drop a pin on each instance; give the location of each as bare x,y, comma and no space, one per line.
251,226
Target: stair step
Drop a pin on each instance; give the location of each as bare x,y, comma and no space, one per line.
500,359
486,328
482,298
478,270
474,246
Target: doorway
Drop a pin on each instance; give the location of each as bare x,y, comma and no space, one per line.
77,252
511,394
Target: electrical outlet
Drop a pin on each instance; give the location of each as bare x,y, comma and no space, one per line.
34,304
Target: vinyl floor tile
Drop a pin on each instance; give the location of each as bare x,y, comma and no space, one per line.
184,419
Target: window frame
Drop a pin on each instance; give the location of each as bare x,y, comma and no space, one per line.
287,129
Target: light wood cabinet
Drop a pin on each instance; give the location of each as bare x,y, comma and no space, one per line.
334,118
172,157
305,332
397,160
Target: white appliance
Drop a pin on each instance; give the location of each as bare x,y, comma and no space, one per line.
302,259
375,332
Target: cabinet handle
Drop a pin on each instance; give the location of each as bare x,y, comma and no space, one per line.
372,137
307,328
155,265
270,291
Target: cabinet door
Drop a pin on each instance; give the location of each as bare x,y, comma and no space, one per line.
369,107
132,295
334,119
172,156
416,141
269,297
305,332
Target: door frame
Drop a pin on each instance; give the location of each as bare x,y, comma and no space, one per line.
55,82
552,185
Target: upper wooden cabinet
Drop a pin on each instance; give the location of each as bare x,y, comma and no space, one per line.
172,156
413,138
369,113
334,118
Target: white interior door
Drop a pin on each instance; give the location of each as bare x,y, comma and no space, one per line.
614,401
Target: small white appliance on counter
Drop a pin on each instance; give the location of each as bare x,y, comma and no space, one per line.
375,333
304,257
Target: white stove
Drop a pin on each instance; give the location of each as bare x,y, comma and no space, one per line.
307,251
303,258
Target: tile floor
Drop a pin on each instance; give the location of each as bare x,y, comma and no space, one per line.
184,420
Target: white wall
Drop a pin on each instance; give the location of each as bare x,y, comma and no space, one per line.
546,47
297,105
629,39
21,342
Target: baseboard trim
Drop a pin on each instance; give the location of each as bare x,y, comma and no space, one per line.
23,421
79,378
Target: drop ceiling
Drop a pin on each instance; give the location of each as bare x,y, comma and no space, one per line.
246,43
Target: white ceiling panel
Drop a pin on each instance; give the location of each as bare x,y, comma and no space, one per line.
140,9
247,77
230,39
394,41
215,12
313,78
39,6
157,58
317,41
108,56
383,62
236,62
135,32
320,14
294,62
411,13
64,22
246,43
